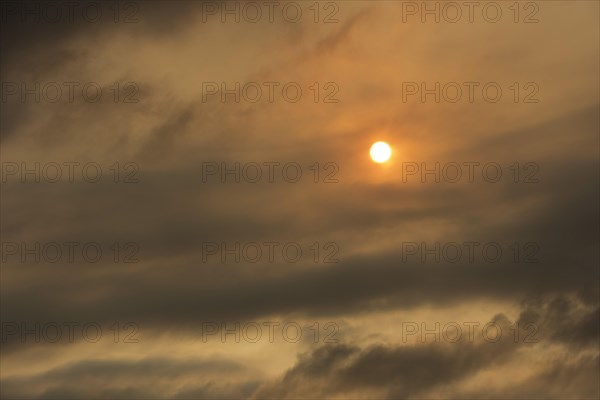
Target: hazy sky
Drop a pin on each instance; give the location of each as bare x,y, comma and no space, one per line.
189,209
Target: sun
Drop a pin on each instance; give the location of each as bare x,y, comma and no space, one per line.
380,152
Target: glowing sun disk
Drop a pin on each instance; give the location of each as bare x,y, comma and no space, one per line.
380,152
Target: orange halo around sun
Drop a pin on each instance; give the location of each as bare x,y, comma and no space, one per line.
380,152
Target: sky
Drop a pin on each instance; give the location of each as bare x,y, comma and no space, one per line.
189,209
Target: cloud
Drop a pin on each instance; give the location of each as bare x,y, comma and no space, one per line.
429,368
155,377
173,130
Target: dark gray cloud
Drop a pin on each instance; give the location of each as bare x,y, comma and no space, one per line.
383,371
556,223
